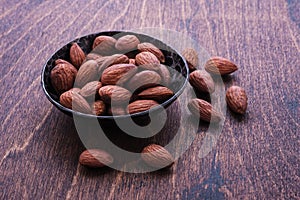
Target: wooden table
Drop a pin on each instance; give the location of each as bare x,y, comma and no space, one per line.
256,156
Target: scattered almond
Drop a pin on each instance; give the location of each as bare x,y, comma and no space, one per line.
236,99
157,156
95,158
220,66
204,110
202,81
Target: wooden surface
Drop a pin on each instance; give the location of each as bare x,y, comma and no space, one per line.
256,157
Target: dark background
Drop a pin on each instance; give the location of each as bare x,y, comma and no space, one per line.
256,156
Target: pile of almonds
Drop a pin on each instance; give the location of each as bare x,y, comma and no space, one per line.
109,75
91,83
103,81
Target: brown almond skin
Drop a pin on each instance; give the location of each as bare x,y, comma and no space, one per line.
95,158
74,101
199,107
104,45
191,57
98,108
202,81
114,94
157,156
132,61
118,74
88,72
116,110
90,89
108,61
143,79
77,55
127,43
148,47
165,75
158,93
92,56
141,105
63,76
147,60
237,99
220,66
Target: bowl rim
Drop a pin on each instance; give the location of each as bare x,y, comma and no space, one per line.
134,115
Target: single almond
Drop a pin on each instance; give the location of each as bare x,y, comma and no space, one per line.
98,107
202,81
108,61
148,47
95,158
147,60
165,75
237,99
118,74
191,57
63,76
127,43
113,94
220,66
87,72
140,106
157,156
143,79
204,110
158,93
90,89
104,45
74,101
77,55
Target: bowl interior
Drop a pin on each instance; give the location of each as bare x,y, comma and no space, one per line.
177,66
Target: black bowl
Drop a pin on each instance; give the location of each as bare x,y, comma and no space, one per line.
173,60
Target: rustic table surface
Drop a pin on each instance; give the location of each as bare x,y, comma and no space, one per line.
256,156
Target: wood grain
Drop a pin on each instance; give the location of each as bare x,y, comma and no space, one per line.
256,156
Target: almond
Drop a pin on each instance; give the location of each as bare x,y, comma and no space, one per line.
116,110
90,89
62,61
88,72
237,99
202,81
104,45
220,66
140,106
158,93
204,110
127,43
63,76
143,79
98,107
191,57
92,56
148,47
114,94
74,101
157,156
165,75
108,61
77,55
147,60
118,74
95,158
